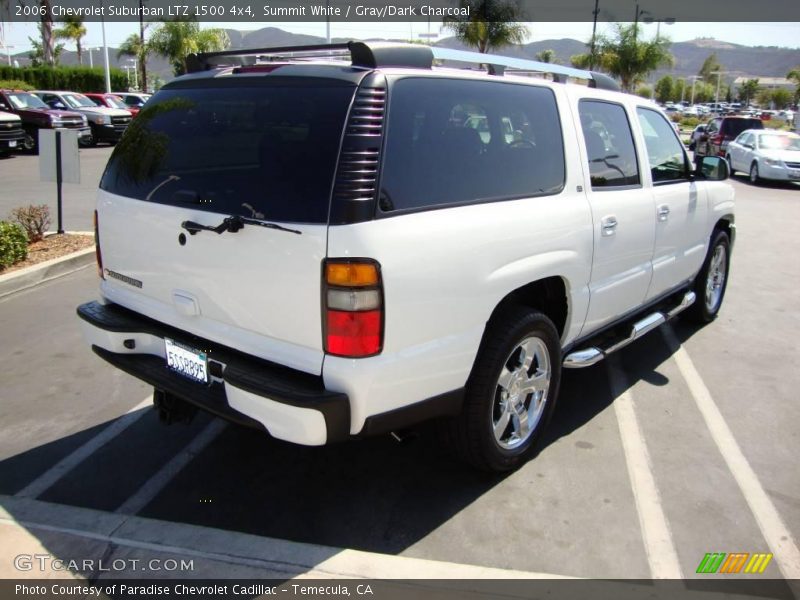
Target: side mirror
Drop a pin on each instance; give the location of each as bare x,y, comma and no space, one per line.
713,168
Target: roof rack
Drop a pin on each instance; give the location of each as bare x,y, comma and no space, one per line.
374,55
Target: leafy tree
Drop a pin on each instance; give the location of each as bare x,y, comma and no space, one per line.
710,64
175,40
777,99
679,90
794,75
665,89
626,56
38,55
546,56
748,91
73,30
644,91
133,47
491,24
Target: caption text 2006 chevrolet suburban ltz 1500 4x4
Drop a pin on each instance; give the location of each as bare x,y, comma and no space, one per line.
327,248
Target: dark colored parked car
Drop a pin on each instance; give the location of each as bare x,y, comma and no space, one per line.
719,132
36,115
108,124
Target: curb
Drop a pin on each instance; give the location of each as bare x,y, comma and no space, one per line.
46,271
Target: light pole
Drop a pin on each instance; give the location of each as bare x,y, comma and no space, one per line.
105,52
594,33
650,19
719,76
8,53
694,79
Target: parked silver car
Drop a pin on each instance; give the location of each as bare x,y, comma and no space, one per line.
765,154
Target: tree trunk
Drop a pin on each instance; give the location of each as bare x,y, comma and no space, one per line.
79,51
47,33
143,56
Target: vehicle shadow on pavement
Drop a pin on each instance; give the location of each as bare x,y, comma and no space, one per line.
374,494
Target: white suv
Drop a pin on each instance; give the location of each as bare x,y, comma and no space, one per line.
327,249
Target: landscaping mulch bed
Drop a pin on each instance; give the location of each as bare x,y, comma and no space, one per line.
52,246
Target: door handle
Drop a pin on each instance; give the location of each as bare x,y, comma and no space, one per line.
608,225
663,212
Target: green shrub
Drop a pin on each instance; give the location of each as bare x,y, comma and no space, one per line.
35,220
15,84
74,79
13,244
690,122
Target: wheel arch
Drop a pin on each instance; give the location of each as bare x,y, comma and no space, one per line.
547,295
727,224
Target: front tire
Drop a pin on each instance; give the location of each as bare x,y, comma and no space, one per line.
730,164
712,281
754,176
510,394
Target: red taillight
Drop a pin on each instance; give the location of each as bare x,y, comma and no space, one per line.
354,334
352,307
97,253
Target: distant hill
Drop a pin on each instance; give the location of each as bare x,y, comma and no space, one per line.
736,60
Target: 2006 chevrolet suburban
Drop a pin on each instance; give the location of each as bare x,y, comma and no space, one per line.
327,249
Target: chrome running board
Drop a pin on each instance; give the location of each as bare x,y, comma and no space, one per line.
586,357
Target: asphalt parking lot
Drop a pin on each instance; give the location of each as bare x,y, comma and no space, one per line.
686,443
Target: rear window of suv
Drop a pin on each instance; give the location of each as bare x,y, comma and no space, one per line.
265,149
733,127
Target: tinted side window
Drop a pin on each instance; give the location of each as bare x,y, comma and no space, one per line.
664,150
450,141
733,127
609,144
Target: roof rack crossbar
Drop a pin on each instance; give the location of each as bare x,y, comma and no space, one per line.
374,55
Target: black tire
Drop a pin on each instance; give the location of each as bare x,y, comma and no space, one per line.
29,144
707,304
471,435
755,178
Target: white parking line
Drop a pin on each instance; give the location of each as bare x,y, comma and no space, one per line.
775,532
158,482
656,534
39,485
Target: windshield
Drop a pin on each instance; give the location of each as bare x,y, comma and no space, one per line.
265,151
779,142
115,102
23,101
78,101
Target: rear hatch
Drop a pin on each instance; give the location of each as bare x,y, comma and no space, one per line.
206,150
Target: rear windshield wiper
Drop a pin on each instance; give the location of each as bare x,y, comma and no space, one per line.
233,224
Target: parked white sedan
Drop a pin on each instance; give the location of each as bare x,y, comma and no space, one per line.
766,155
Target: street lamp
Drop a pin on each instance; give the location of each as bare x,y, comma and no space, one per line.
719,76
649,20
694,79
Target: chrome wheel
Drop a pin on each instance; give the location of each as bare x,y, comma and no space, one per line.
521,393
715,280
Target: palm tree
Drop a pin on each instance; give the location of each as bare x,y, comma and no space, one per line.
73,30
175,40
132,46
491,24
626,57
546,56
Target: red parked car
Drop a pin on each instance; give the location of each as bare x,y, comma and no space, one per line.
112,101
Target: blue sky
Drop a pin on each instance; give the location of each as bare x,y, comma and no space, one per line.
749,34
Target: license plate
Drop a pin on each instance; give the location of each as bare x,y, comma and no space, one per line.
12,144
191,363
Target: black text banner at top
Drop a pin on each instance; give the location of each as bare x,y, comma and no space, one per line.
266,11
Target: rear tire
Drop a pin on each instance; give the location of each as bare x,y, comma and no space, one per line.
712,280
511,392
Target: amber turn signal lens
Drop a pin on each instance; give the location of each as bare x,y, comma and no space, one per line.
351,274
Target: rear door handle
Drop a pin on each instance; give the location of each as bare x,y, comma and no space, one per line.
608,225
663,212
